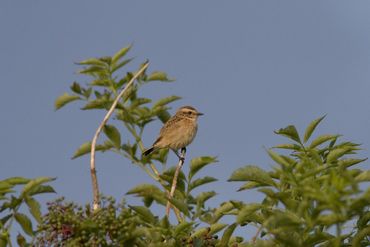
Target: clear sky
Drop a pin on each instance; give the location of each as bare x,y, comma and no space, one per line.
251,66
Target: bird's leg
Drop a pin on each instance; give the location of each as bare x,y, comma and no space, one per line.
181,156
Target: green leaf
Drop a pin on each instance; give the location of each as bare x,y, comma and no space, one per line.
93,70
65,99
250,185
247,210
198,163
290,146
25,223
21,241
120,54
82,150
16,180
224,209
183,228
204,196
333,155
214,228
100,103
290,132
311,127
34,208
113,134
4,186
200,181
227,235
145,213
4,239
183,207
86,148
39,189
34,183
149,191
5,219
93,61
165,101
363,177
252,173
116,67
321,139
278,159
350,162
159,76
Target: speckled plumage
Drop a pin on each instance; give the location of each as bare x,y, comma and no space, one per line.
179,131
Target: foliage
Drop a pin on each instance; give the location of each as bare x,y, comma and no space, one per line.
11,203
315,194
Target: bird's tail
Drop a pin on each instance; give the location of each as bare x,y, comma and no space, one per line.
148,151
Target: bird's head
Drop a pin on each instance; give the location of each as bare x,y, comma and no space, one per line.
188,112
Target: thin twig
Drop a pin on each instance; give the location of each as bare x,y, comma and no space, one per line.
94,179
256,235
174,181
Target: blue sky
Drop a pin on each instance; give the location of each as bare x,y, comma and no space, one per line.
250,66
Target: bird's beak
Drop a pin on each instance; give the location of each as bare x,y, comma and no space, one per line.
200,114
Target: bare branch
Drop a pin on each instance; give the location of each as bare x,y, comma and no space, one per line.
174,182
94,179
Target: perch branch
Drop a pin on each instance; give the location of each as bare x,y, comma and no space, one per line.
94,179
174,181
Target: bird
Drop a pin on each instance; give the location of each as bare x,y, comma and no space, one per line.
178,132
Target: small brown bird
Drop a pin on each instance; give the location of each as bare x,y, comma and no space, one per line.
178,132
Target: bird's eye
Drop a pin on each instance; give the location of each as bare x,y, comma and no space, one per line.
189,112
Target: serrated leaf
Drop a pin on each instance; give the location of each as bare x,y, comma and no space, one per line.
290,132
197,164
321,139
159,76
34,183
113,134
252,173
247,210
200,181
24,222
165,101
227,235
116,57
34,208
311,127
145,213
65,99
